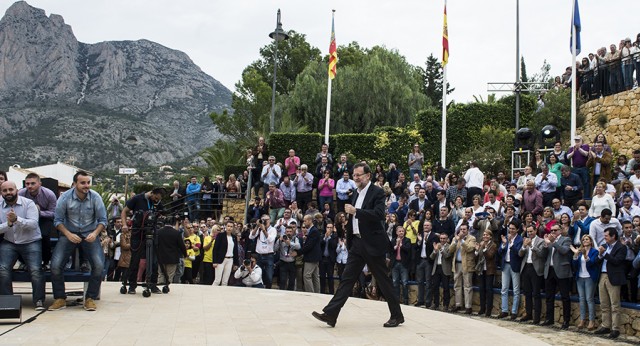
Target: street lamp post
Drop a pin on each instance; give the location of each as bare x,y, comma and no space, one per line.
130,140
277,35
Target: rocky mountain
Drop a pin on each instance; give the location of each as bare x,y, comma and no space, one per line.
65,100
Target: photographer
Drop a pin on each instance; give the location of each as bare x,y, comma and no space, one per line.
141,205
288,245
250,274
265,236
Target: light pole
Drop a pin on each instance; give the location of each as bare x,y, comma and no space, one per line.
130,140
277,35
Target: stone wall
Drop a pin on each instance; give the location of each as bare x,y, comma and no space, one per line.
233,207
622,125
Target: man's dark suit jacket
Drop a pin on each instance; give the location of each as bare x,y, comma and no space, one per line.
311,247
170,246
433,238
415,206
333,246
405,253
370,222
615,264
220,248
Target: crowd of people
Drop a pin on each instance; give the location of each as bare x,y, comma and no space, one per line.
570,221
607,71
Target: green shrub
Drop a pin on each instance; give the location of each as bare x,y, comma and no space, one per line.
306,145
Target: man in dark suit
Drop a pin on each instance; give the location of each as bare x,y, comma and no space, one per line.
420,204
533,255
557,273
424,268
170,250
441,272
611,258
312,255
368,244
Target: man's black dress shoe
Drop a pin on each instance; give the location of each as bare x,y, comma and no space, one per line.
565,326
331,321
614,334
547,323
394,322
602,331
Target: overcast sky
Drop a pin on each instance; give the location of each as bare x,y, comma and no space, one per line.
223,37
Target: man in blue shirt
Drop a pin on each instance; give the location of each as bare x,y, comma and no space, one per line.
193,198
19,224
80,217
344,189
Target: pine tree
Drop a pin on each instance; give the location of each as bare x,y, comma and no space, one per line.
431,80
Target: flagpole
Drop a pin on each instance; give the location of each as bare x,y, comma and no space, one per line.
326,124
573,72
444,117
445,60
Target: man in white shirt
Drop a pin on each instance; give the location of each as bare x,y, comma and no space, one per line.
628,210
265,236
416,181
546,183
522,181
597,227
475,179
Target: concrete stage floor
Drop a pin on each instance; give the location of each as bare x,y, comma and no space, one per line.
197,315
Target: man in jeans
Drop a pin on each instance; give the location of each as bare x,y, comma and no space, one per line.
509,249
19,224
80,218
578,155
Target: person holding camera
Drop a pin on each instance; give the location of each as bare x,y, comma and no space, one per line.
265,236
249,273
140,205
225,254
288,246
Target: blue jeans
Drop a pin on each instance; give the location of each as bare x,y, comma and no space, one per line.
194,208
414,171
64,248
627,75
583,173
32,255
266,263
508,276
324,199
586,290
400,276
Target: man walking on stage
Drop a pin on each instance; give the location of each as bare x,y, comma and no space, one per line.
368,244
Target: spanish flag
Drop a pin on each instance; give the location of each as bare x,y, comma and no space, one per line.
333,53
445,38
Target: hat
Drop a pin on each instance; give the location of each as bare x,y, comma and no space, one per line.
578,138
627,39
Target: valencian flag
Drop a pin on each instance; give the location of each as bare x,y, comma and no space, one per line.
445,38
576,23
333,53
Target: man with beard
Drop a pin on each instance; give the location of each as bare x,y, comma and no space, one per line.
80,218
19,224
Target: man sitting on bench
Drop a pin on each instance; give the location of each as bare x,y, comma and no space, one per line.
19,224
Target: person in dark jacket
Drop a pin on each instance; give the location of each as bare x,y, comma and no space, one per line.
328,246
170,250
312,253
225,255
611,258
400,257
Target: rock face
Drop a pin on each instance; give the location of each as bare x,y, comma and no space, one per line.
61,99
617,117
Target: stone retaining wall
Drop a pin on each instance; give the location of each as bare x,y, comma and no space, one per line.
618,117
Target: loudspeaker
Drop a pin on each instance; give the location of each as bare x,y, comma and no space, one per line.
51,184
11,307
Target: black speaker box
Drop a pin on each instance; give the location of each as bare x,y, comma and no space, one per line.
11,307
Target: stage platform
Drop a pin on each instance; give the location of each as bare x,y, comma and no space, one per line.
198,315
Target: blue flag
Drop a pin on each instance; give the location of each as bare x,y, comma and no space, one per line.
576,24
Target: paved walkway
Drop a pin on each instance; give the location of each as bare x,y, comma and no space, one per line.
197,315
